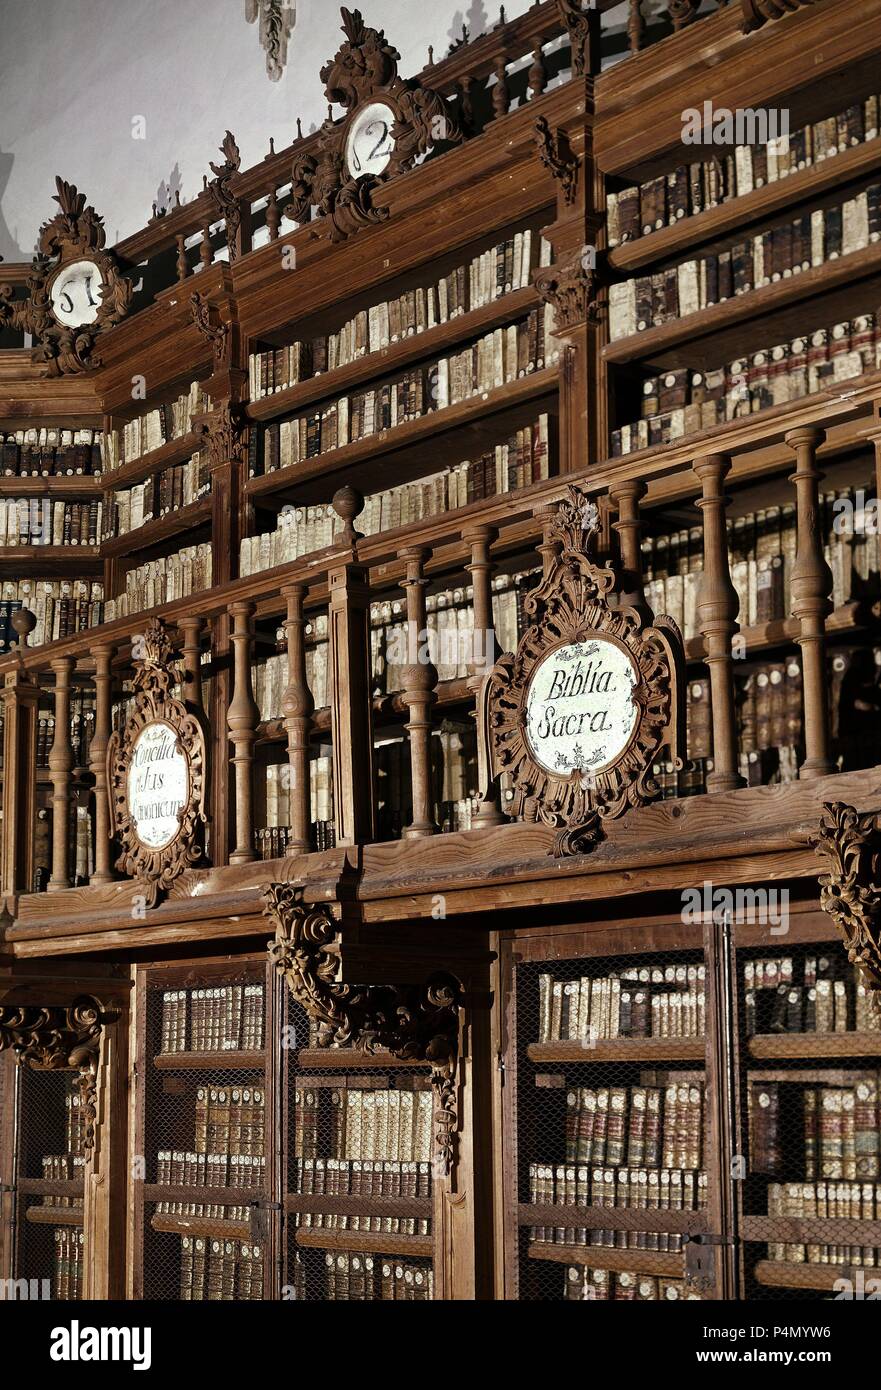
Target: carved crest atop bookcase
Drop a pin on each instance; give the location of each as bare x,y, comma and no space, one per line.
156,774
75,289
389,123
578,715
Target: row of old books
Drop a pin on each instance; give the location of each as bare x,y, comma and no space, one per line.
221,1270
393,1125
42,521
67,1167
188,571
817,995
221,1019
694,188
518,462
50,453
496,272
454,780
278,794
824,1131
827,1201
204,1171
586,1285
810,240
230,1120
636,1002
625,1189
489,363
271,841
154,428
159,495
636,1126
270,677
60,606
340,1177
684,402
352,1276
67,1263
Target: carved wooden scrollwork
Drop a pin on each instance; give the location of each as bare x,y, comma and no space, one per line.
572,290
365,69
573,627
220,189
276,20
212,330
154,866
556,155
74,235
411,1022
850,842
577,23
54,1036
222,431
759,12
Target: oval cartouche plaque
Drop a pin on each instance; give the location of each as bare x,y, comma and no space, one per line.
580,711
158,785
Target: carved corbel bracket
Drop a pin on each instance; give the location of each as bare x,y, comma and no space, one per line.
207,320
850,842
573,291
223,429
56,1037
556,155
414,1023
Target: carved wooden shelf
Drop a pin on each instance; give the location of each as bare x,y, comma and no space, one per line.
160,529
210,1227
752,306
212,1061
371,1242
621,1050
769,1045
346,1058
412,435
683,236
51,1187
55,1216
659,1262
396,356
614,1219
359,1206
49,561
135,470
821,1230
785,1274
65,485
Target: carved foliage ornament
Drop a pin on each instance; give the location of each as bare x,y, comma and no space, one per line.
556,155
156,774
850,842
577,22
389,124
222,196
75,288
577,715
53,1037
572,289
222,430
758,12
411,1022
215,332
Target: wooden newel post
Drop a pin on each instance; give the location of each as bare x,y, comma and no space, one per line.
298,708
242,721
21,698
484,652
626,497
420,679
60,763
98,763
191,630
811,586
717,608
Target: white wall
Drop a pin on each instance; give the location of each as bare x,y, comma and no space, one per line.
74,74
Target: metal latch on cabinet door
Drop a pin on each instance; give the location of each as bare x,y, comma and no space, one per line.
260,1209
700,1260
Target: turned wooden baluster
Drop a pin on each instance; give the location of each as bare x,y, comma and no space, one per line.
626,497
717,609
242,721
635,26
181,258
420,679
98,762
206,255
60,763
191,629
298,707
484,651
273,216
21,698
500,89
536,76
466,105
811,602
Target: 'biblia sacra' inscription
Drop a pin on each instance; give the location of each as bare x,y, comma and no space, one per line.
580,713
157,785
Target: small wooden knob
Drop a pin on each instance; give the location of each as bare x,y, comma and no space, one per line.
347,503
24,622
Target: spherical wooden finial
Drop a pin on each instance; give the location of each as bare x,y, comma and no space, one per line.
347,503
24,622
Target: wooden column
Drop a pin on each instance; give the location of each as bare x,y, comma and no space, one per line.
60,763
487,811
298,708
420,679
191,629
105,1208
21,698
351,706
242,721
98,762
811,601
717,608
626,497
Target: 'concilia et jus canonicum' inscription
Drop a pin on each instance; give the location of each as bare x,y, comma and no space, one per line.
580,712
158,785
